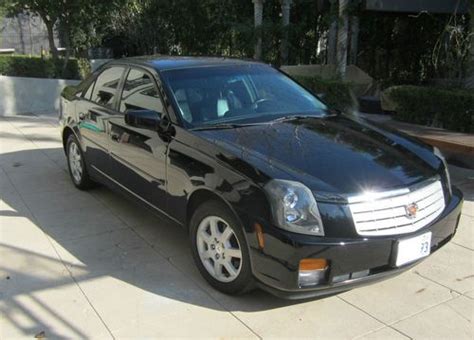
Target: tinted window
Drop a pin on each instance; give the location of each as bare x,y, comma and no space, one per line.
228,93
140,93
106,86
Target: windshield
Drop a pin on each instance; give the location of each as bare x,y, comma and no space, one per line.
238,93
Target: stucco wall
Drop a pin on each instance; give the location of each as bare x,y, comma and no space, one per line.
25,33
30,95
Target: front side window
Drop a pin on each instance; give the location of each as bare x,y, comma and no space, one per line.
106,86
212,95
140,93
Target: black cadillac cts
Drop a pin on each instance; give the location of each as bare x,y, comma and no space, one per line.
276,189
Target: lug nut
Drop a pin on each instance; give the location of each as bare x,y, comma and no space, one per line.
213,246
217,256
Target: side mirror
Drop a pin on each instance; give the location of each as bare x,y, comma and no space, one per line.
143,119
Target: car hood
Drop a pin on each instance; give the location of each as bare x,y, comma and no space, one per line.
333,154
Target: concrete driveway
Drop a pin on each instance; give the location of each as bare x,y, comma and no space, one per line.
91,264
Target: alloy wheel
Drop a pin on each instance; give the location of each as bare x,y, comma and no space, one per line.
219,249
75,162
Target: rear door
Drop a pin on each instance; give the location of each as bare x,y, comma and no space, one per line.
138,155
94,110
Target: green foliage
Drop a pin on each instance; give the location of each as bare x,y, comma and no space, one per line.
452,109
84,68
336,94
36,67
411,49
394,49
214,27
76,21
3,7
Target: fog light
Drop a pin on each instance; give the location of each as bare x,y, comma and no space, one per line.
312,272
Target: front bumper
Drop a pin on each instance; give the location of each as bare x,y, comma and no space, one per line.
353,262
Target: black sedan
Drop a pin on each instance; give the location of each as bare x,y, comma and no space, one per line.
276,189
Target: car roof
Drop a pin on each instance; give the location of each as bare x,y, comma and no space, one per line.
164,63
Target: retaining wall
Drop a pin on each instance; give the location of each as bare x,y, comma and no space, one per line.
20,95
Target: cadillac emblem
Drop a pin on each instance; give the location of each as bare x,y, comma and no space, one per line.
411,210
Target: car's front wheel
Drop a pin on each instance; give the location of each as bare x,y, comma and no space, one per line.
76,164
220,249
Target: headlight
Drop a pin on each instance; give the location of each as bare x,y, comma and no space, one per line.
440,155
294,207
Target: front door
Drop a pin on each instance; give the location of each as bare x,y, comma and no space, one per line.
95,108
138,155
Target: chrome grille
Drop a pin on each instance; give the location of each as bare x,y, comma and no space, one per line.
382,215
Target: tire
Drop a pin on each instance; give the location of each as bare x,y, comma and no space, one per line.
234,274
77,165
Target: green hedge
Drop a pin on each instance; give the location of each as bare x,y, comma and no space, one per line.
452,109
336,93
37,67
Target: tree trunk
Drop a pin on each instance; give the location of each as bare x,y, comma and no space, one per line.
285,10
342,39
332,37
258,14
52,46
354,40
67,45
19,19
470,72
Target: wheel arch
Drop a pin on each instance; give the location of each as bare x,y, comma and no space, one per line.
201,195
67,131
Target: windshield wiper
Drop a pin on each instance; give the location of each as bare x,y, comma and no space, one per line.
234,125
291,118
220,126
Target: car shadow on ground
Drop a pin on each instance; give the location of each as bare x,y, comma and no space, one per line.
112,248
100,234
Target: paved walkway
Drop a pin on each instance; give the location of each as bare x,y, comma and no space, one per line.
454,142
90,264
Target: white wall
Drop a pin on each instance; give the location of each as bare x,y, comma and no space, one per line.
30,95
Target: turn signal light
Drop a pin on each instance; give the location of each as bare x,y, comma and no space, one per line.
259,233
312,272
313,264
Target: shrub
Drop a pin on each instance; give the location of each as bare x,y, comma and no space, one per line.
37,67
84,68
337,94
452,109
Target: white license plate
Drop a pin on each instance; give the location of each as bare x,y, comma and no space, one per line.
412,249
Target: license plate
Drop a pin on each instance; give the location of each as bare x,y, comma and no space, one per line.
412,249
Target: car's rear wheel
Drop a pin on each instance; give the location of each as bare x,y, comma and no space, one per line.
220,249
76,164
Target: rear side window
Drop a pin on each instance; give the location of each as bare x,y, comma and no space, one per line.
140,93
106,86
